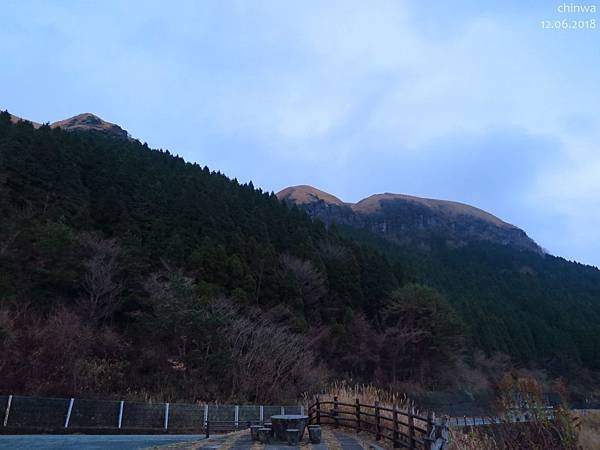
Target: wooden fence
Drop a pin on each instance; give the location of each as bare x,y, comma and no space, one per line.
405,429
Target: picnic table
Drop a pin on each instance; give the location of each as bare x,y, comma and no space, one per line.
283,422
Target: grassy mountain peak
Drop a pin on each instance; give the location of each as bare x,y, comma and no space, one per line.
409,219
82,122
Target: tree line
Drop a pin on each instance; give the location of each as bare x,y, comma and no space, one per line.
128,271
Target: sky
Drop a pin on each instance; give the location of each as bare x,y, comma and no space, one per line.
472,101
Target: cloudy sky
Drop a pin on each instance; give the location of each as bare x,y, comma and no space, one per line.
465,100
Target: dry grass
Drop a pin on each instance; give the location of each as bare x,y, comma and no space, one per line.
15,119
539,434
471,441
369,395
589,429
307,194
372,204
304,194
558,434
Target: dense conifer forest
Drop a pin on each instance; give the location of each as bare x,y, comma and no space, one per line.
128,271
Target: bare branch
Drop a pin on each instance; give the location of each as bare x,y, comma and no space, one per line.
102,265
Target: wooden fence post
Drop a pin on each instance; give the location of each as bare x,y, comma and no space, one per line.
428,440
358,424
335,412
411,430
318,406
396,427
377,422
445,432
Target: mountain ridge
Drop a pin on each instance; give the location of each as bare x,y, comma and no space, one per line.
400,217
410,219
81,122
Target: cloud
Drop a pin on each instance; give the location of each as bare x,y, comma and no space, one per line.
468,101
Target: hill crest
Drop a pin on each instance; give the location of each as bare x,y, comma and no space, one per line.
82,122
410,219
304,193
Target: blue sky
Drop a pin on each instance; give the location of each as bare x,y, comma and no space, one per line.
466,100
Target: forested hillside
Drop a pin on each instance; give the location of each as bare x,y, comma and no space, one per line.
127,271
541,309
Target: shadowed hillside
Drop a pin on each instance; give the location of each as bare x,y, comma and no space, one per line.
181,283
410,220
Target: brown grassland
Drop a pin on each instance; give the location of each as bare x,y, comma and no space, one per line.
564,430
589,429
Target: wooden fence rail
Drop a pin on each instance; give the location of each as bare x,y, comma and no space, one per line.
405,429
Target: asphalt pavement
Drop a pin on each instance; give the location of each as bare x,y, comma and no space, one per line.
90,442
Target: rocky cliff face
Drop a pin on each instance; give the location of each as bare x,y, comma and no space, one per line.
410,220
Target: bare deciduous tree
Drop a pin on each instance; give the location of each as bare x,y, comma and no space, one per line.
332,251
102,266
57,354
312,282
271,362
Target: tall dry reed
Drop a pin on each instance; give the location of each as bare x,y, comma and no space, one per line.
369,396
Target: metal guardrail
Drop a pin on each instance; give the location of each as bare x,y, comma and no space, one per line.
64,415
511,417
